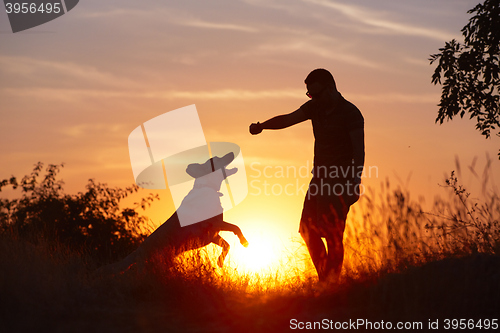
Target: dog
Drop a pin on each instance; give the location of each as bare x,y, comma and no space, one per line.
202,201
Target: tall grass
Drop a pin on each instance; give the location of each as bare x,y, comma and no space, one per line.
402,263
390,229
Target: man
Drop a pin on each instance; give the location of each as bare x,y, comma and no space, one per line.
339,154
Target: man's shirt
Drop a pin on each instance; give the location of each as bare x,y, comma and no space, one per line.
332,123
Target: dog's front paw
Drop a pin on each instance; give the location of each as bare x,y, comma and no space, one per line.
220,261
244,242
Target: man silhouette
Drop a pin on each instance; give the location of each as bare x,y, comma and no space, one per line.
339,154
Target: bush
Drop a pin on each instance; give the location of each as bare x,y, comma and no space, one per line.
90,221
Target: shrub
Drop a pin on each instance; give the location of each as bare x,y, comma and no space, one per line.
92,221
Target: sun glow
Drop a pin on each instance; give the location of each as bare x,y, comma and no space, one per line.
262,254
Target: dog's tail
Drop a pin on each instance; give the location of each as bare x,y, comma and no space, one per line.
118,267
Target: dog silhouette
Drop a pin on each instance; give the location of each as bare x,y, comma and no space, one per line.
202,201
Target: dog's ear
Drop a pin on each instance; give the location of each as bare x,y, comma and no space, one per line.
231,171
197,170
193,170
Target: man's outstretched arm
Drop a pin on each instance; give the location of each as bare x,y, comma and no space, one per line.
279,122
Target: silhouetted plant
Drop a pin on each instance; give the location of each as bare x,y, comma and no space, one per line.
92,221
391,231
469,226
471,71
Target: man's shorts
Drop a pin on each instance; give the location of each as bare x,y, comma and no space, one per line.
325,207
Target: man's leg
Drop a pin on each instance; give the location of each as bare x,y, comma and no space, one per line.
335,213
335,258
311,237
316,249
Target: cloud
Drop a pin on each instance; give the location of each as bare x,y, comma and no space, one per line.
375,19
114,12
81,130
169,14
71,95
218,26
396,98
223,94
300,45
229,94
62,71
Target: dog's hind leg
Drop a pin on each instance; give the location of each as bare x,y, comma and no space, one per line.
224,226
225,249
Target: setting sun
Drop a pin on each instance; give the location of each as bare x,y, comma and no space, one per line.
260,255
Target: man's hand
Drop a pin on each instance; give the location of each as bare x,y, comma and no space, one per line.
255,128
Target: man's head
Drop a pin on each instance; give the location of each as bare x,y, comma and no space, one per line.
319,81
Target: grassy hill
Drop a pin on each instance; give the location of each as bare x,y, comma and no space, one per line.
404,267
52,290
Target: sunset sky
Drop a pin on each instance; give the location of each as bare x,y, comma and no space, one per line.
73,89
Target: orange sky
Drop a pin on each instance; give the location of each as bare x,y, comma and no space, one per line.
73,89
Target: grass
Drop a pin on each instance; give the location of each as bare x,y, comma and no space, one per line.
402,265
